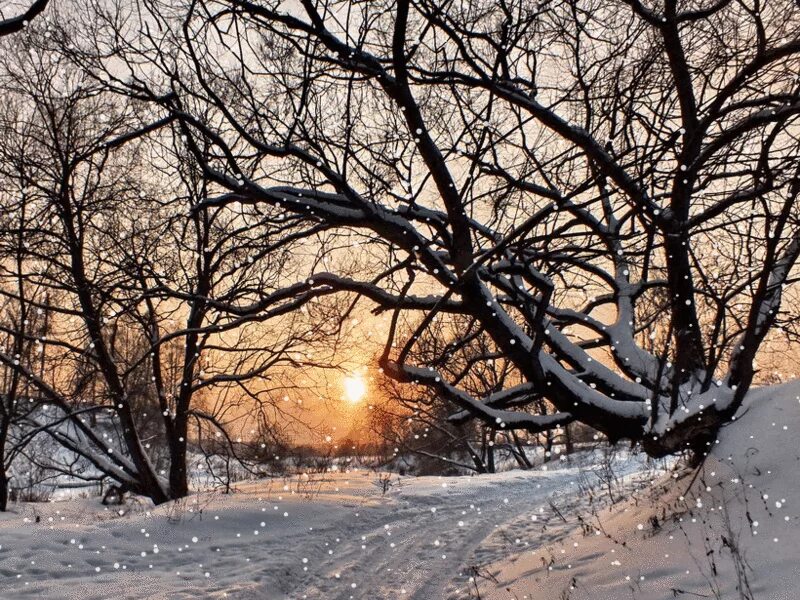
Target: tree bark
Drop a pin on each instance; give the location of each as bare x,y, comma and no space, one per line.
178,481
520,455
3,490
490,467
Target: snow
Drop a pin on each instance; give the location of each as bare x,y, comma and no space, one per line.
334,535
729,530
604,525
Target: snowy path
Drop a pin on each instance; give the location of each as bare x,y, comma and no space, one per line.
334,536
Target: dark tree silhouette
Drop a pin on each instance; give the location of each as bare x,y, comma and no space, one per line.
168,317
608,188
13,24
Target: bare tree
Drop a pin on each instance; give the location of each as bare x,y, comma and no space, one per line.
419,422
20,322
167,307
607,187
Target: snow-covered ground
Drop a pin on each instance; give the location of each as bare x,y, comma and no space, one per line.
317,536
728,531
605,527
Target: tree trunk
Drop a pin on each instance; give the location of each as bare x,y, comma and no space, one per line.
480,467
548,445
695,435
520,455
490,453
3,457
3,490
568,443
178,481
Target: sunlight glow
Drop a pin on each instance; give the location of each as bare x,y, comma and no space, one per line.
355,388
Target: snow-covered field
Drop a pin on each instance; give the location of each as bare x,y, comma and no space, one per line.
318,536
730,530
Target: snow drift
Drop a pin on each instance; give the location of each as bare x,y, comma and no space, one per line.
727,530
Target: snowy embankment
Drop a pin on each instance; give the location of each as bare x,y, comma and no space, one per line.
728,531
318,536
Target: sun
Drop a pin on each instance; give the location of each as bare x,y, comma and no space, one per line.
355,388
